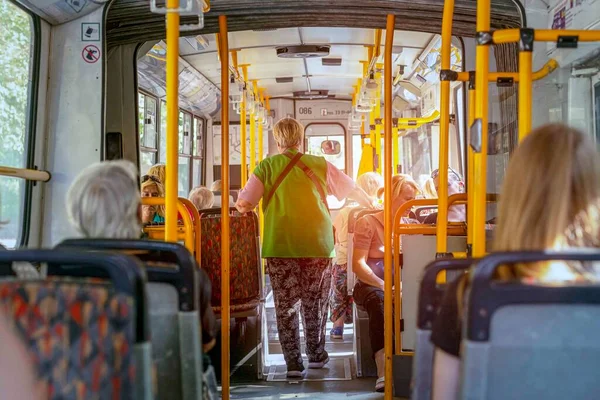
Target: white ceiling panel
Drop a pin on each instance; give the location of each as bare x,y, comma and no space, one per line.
335,85
338,35
274,70
281,37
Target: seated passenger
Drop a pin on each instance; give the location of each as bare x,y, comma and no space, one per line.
550,200
367,263
340,302
103,202
216,186
456,213
202,197
429,189
160,172
152,187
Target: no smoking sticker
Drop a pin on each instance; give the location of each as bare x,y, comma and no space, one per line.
90,54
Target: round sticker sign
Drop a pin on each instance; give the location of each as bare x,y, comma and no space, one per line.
90,54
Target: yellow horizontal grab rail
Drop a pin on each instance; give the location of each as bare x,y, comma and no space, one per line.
405,123
187,221
546,70
27,174
197,227
545,35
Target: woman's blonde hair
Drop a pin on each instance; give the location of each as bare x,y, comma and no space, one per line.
202,197
550,196
103,201
370,182
429,189
288,133
399,182
160,210
159,171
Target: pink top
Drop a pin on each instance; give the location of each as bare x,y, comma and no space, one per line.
368,233
338,184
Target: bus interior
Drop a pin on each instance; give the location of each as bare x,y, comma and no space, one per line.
88,80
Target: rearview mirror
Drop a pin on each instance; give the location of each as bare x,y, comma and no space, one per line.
331,147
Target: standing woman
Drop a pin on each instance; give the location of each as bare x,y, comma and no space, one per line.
298,238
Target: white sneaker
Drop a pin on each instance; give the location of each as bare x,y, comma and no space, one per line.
295,374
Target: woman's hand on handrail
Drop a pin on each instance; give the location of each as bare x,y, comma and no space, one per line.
243,206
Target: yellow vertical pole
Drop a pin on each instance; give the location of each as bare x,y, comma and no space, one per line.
252,142
224,208
260,126
396,155
372,136
442,220
243,149
470,169
172,121
525,88
482,59
378,116
387,213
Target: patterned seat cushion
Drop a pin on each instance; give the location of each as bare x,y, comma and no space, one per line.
244,275
80,335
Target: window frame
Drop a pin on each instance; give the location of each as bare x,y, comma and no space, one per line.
160,132
22,240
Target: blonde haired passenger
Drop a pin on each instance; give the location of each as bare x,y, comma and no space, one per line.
160,172
367,263
340,302
298,238
152,187
103,201
550,201
429,190
202,197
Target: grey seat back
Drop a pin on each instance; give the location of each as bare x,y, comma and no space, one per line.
173,292
418,251
430,297
530,341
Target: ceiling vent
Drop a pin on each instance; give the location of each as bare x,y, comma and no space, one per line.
264,30
312,95
304,51
285,79
331,61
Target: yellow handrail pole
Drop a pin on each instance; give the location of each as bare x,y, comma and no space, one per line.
525,82
243,149
546,35
253,134
470,169
172,121
378,116
442,220
224,208
387,209
544,71
260,126
396,155
482,57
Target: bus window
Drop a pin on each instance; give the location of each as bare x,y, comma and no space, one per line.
185,152
198,152
16,45
147,127
597,109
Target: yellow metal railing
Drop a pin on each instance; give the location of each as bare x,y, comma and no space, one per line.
172,121
387,211
189,232
225,228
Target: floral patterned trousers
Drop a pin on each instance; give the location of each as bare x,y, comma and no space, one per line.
341,303
301,284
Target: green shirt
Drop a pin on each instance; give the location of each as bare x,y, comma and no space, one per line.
297,223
